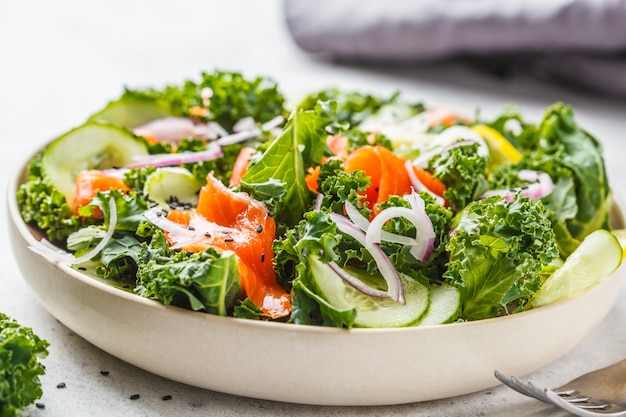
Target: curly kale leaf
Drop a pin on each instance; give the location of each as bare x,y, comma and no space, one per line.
399,254
316,235
202,281
119,258
232,97
20,351
573,158
337,186
41,204
497,252
464,172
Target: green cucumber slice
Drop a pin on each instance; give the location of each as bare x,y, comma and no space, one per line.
598,256
445,305
90,146
169,185
131,111
370,311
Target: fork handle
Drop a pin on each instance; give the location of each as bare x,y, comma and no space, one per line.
607,383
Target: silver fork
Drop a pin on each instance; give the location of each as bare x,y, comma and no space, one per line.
598,393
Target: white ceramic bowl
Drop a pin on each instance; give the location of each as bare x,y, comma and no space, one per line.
306,364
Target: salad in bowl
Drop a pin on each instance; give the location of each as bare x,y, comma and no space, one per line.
346,210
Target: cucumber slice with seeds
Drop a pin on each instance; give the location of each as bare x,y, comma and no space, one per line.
370,311
445,305
597,257
90,146
172,186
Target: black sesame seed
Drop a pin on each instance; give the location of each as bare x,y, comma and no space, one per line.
40,405
61,385
191,228
104,373
134,397
262,257
207,234
229,239
224,232
81,268
153,205
270,213
166,397
259,229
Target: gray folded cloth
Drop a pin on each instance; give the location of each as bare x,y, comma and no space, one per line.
583,41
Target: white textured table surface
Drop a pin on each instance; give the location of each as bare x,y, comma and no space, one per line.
61,60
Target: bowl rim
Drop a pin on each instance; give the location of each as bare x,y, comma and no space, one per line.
17,176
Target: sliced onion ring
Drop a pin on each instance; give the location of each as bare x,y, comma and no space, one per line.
357,283
48,250
176,232
418,185
395,289
249,134
541,186
213,151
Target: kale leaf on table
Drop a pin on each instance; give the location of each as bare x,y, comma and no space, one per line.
20,351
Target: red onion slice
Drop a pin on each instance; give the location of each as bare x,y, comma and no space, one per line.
318,202
249,134
48,250
451,138
174,129
363,223
356,283
247,123
177,232
213,151
421,243
419,186
541,186
395,289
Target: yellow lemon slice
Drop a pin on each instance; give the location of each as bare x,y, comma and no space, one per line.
500,148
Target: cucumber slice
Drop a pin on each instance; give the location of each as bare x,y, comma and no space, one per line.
90,146
597,257
445,305
370,311
170,185
131,111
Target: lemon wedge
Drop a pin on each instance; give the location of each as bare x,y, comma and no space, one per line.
500,148
598,256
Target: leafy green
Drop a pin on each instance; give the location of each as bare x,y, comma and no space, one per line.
497,252
301,145
246,309
352,107
202,281
574,160
232,98
20,351
120,257
440,217
464,172
46,207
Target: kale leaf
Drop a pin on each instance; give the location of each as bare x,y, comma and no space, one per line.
497,252
20,351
